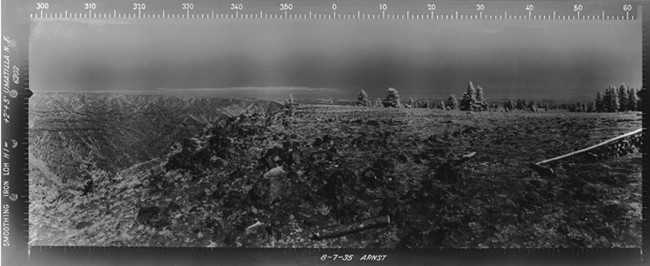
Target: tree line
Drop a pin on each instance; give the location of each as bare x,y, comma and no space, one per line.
621,99
612,100
472,100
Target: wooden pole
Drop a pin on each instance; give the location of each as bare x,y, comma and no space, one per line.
591,147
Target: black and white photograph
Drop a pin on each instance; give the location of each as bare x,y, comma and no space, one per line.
354,132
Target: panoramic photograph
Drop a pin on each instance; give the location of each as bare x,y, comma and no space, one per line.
402,134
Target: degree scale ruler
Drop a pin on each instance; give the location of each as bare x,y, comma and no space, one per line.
18,16
349,10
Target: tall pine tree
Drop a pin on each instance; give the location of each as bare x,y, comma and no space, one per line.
610,100
599,102
469,98
642,103
479,94
622,98
632,99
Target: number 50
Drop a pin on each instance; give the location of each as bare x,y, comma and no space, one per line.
577,8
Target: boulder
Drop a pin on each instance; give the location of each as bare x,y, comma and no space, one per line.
277,177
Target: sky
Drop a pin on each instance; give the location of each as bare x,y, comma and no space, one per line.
337,58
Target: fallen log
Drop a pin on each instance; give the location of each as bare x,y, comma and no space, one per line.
468,156
342,230
252,227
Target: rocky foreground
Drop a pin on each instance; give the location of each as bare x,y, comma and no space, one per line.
442,179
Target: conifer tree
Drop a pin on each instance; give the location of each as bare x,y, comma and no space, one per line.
469,98
632,99
362,99
392,98
622,98
591,107
508,105
610,100
599,102
451,103
479,94
642,103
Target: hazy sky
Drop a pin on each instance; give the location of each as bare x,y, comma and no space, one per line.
419,58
